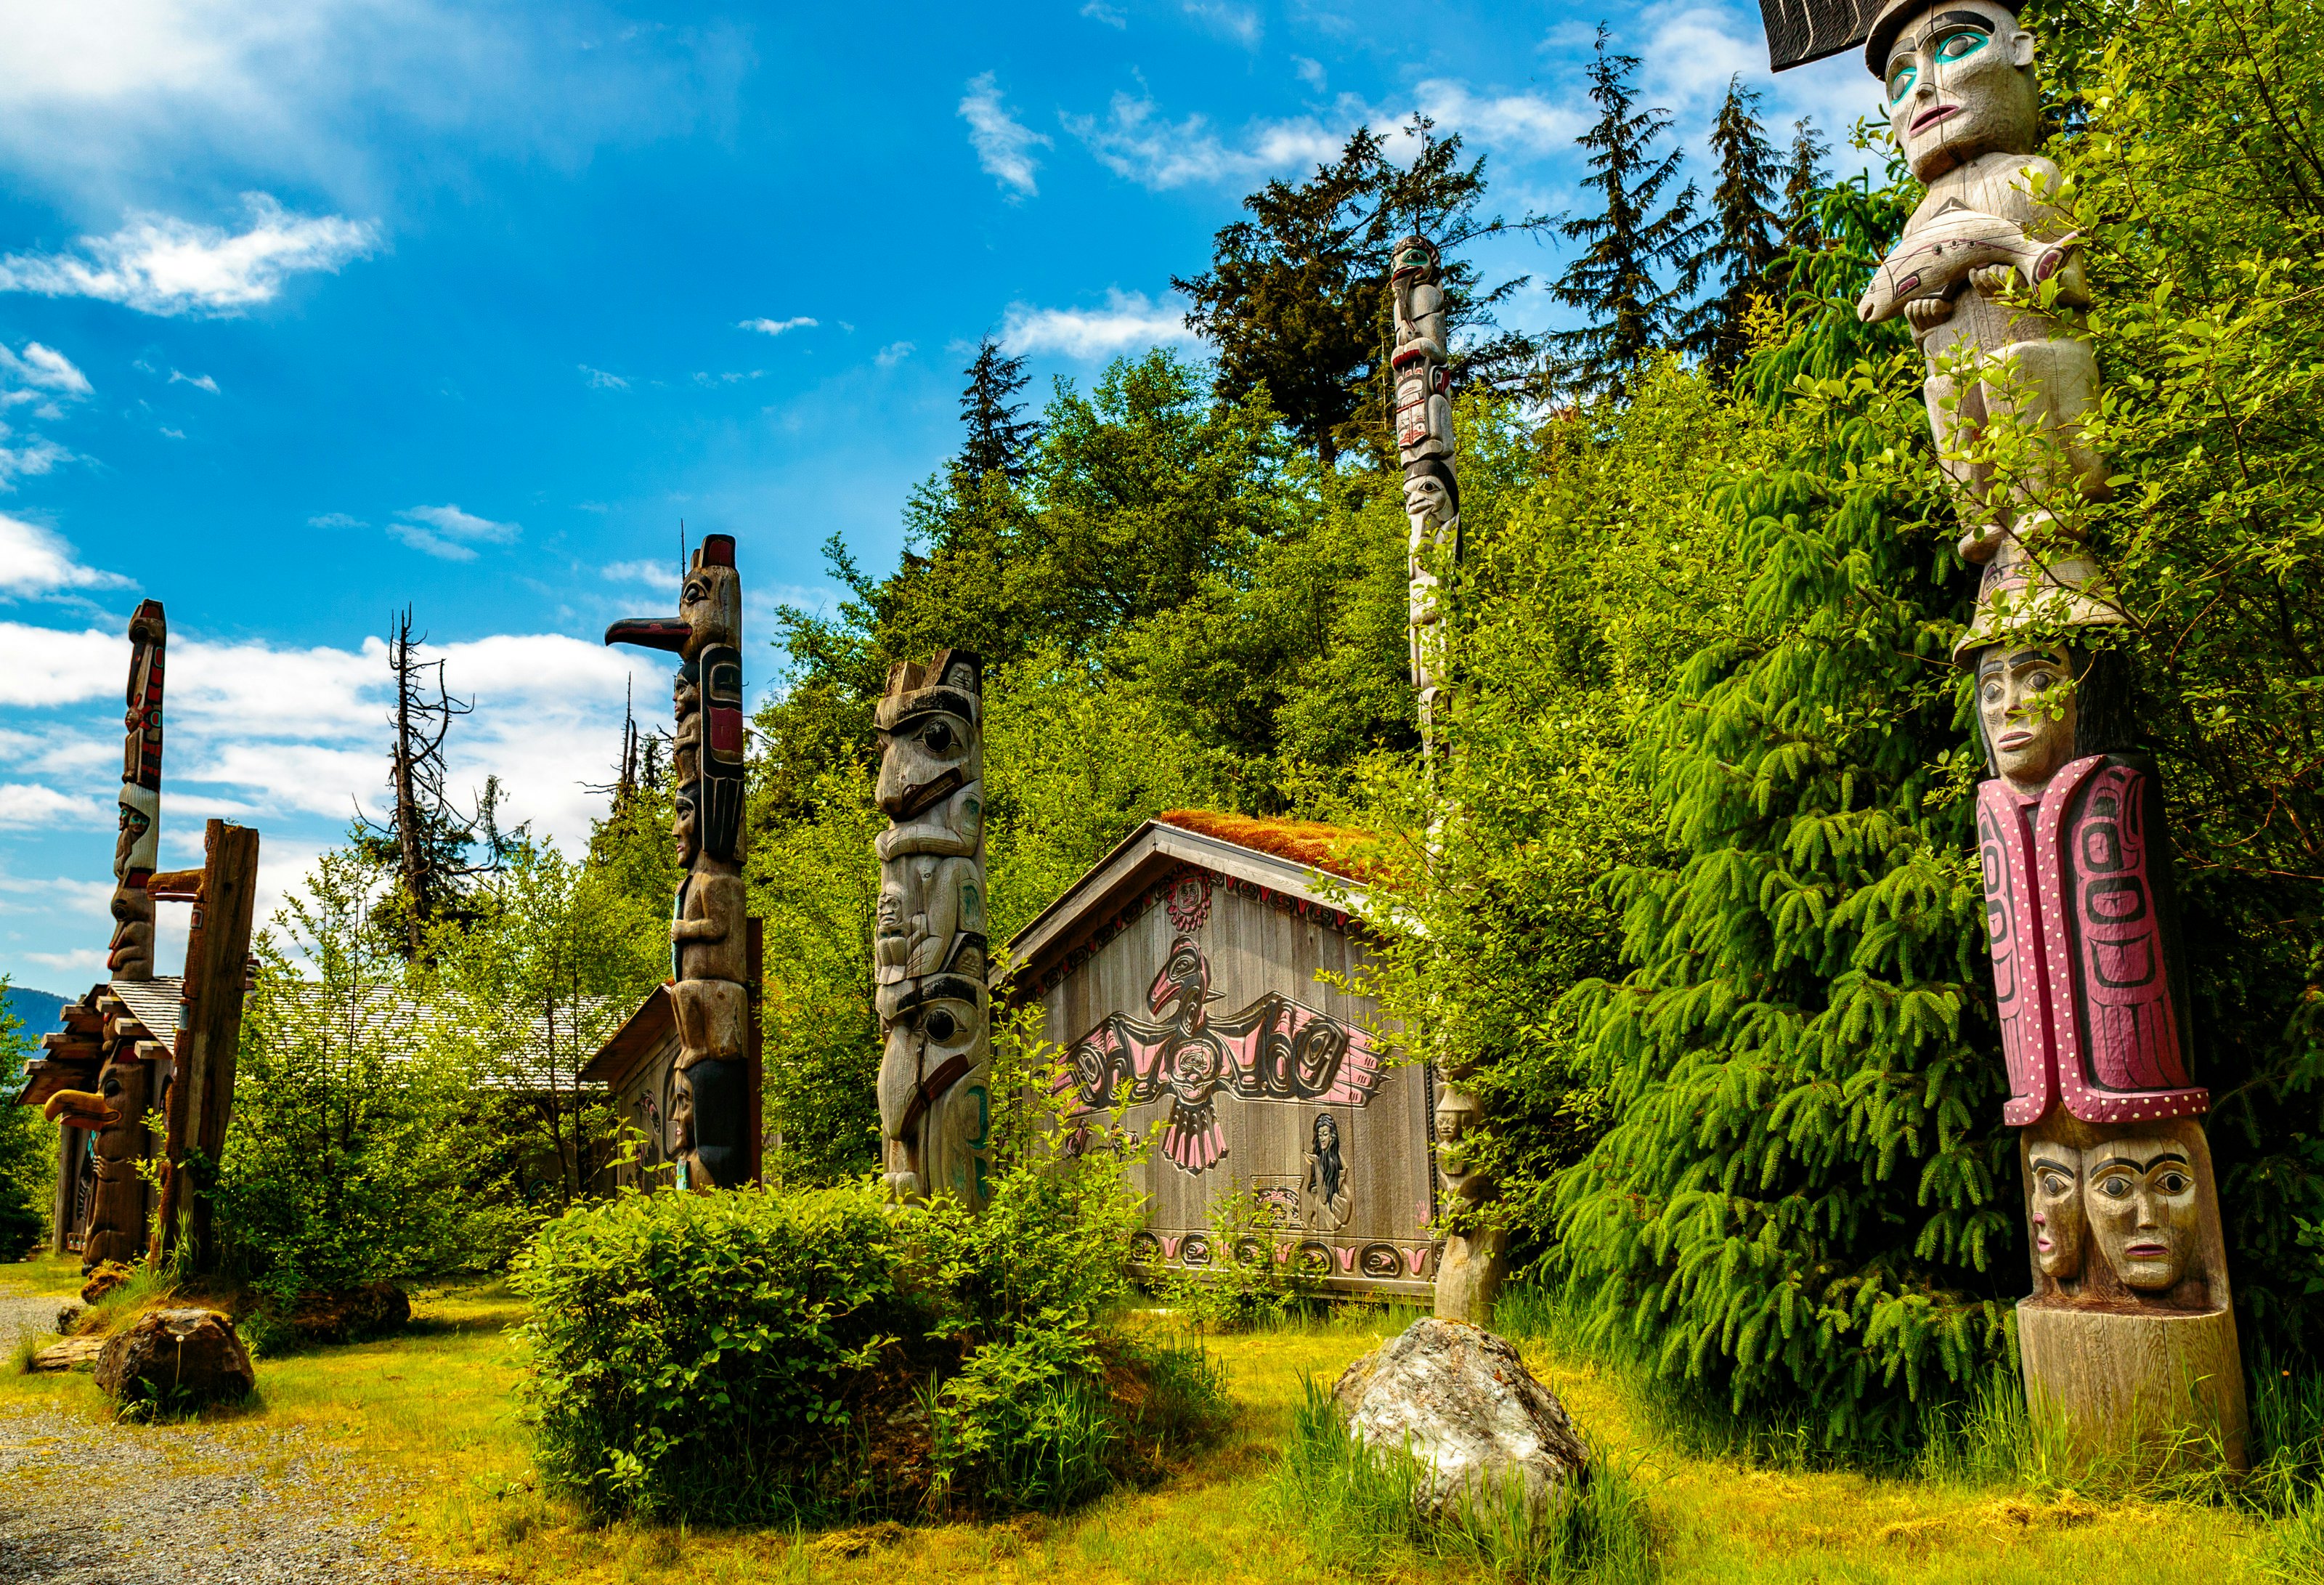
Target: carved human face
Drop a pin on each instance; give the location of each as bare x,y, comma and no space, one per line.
686,827
136,847
1427,504
2026,704
931,1033
2060,1225
1959,85
1457,1115
711,603
681,1116
2141,1202
1327,1133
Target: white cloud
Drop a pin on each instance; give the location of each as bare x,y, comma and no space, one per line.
1160,154
158,264
1004,145
90,962
28,807
1128,320
1310,72
336,520
449,532
39,374
35,561
1099,11
776,326
1524,124
656,574
199,382
33,455
1239,22
894,353
75,896
601,381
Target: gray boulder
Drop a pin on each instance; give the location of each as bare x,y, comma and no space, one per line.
184,1355
1463,1402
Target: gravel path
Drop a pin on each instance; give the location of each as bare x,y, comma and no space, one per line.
87,1502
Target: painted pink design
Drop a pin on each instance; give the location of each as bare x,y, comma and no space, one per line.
1415,1259
1345,1254
1188,902
2088,1014
1273,1049
1170,1245
1282,1253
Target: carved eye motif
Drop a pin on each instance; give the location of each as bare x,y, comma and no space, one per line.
2174,1183
2054,1184
1901,80
940,1025
1961,45
938,737
2114,1186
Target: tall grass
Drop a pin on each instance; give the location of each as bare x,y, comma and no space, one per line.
1357,1509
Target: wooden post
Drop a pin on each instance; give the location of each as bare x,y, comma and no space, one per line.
755,966
67,1166
209,1032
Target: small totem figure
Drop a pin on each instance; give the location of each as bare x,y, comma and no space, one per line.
131,954
711,1128
2129,1327
936,1063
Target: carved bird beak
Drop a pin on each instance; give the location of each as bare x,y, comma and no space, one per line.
651,633
83,1108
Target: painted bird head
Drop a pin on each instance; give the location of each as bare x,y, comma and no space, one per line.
1184,985
80,1108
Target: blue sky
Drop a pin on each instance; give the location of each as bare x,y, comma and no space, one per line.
310,311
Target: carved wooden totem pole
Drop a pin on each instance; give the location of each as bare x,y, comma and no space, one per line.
1468,1272
2129,1334
936,1062
131,954
712,1129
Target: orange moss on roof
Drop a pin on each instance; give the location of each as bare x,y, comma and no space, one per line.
1337,850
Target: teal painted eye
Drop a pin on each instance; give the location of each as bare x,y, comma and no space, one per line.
1901,80
1961,45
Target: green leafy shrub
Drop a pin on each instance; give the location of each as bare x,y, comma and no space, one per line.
816,1354
1249,1289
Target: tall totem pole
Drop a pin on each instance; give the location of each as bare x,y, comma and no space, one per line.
712,1128
2129,1330
929,952
1468,1272
131,954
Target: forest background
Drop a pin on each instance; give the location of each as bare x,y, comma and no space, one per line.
1708,912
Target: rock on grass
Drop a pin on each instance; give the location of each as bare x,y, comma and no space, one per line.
183,1356
1464,1403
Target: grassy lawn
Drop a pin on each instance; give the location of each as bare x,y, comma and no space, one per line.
434,1406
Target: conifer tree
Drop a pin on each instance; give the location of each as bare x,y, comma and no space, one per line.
999,441
1617,281
1804,178
1745,242
1296,296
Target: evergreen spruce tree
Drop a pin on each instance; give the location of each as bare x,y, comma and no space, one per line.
1804,179
1805,1201
999,441
1616,280
1295,299
1745,242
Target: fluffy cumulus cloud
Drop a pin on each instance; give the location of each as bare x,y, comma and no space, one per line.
1129,320
159,264
34,560
1004,145
41,375
449,532
1136,142
1524,125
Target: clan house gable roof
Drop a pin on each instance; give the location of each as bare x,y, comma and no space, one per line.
642,1034
1311,869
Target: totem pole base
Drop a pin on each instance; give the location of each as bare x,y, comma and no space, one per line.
2109,1383
1469,1275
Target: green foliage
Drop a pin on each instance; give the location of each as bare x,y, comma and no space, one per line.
1247,1289
28,1147
814,1353
351,1152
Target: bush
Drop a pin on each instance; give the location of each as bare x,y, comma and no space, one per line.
1249,1290
814,1355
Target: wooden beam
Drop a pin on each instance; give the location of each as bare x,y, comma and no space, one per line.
209,1034
127,1028
71,1047
176,886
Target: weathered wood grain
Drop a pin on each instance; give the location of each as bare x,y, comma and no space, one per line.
2116,1382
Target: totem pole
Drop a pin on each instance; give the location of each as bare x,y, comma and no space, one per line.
936,1062
712,1130
1468,1272
131,954
2129,1333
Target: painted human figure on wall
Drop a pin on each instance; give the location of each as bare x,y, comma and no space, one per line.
1324,1196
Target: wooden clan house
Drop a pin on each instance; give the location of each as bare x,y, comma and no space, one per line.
116,1041
1179,975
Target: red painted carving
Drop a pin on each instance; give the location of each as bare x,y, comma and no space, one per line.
2082,981
1272,1050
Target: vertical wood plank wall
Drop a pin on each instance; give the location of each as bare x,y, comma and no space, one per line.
1254,947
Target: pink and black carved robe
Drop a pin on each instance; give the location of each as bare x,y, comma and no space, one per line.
2093,1012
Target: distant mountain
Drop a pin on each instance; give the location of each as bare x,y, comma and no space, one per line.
40,1010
